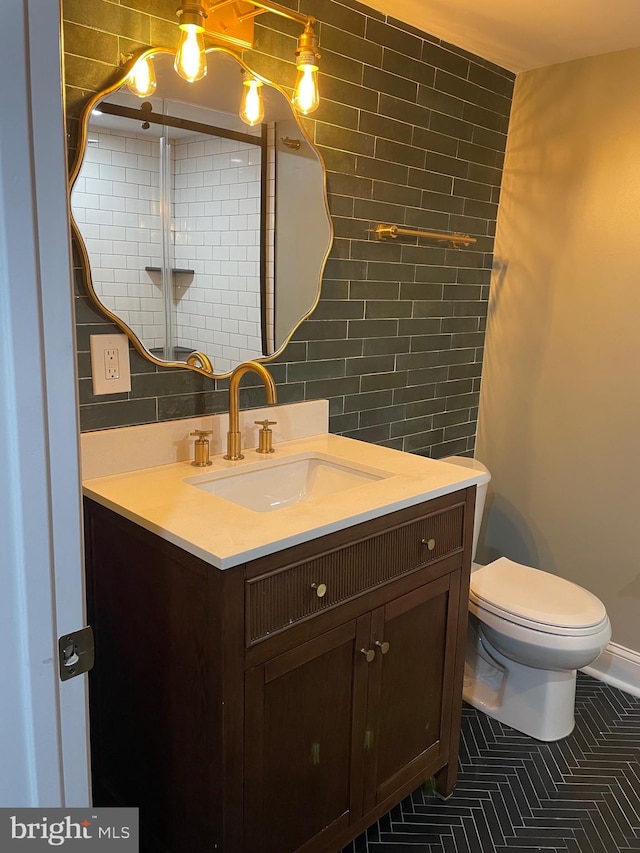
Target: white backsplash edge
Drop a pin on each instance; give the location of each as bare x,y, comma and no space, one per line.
117,451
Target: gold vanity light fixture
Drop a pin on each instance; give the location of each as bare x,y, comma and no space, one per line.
231,21
251,103
227,20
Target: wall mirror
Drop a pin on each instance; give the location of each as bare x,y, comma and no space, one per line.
204,239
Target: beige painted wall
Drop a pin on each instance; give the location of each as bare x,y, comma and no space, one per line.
559,422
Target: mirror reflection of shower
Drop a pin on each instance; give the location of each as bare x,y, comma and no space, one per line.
202,238
191,260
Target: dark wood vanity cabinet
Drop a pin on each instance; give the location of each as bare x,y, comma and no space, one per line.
283,705
332,736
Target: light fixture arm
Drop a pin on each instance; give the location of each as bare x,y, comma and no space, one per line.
266,6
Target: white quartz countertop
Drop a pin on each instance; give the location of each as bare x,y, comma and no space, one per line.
225,534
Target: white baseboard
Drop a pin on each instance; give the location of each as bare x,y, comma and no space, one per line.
619,667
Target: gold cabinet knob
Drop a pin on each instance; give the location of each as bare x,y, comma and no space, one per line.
383,646
430,543
369,654
320,588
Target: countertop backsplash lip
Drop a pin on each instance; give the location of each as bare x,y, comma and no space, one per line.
125,449
161,500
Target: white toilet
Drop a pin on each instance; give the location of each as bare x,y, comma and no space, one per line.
529,631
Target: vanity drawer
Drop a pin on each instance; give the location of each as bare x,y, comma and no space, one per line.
283,597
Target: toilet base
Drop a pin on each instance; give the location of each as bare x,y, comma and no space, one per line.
537,702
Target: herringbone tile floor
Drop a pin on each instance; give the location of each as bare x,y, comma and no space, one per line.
580,795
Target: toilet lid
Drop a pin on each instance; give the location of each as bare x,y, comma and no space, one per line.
520,592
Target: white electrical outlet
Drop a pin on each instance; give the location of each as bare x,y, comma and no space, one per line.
110,369
111,364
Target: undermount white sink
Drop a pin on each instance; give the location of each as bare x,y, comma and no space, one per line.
269,484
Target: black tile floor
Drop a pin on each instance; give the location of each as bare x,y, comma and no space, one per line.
581,794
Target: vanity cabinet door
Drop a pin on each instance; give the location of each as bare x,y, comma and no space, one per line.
303,708
411,683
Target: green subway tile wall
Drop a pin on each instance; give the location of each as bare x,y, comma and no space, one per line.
412,132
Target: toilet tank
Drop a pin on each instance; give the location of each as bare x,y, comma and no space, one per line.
481,492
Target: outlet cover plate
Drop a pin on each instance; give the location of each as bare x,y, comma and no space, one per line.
110,368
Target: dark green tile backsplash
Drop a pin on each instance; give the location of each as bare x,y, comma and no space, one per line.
412,132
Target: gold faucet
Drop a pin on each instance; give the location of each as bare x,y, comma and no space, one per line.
234,436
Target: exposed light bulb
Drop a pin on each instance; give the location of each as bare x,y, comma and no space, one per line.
142,78
191,59
306,96
251,105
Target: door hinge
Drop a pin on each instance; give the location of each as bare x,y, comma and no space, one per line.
75,653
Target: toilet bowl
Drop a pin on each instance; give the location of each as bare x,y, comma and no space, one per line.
529,632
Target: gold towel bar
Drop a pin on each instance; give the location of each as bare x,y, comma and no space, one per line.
384,231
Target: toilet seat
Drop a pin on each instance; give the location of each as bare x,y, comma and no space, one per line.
535,599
